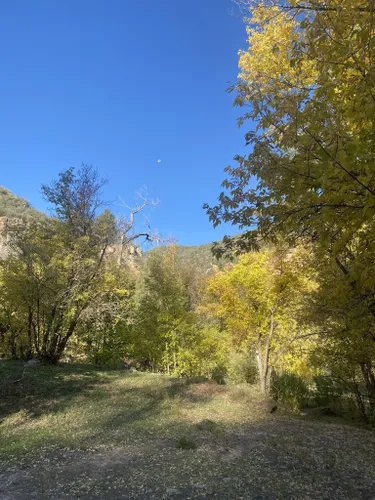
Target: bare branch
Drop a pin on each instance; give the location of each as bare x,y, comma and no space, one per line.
126,224
129,221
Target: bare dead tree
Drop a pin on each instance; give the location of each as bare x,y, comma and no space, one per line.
127,224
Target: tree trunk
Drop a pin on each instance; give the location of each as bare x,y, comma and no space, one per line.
369,379
174,361
52,354
261,369
167,351
12,344
359,399
29,333
269,377
263,385
36,339
265,371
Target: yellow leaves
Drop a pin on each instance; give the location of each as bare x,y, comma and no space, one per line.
122,292
245,295
275,55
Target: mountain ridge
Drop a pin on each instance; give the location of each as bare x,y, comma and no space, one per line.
15,207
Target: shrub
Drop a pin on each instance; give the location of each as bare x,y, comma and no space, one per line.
291,390
219,374
327,391
241,368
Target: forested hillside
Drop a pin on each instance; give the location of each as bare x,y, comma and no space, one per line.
200,255
15,207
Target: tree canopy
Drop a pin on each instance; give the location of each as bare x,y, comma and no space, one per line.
306,82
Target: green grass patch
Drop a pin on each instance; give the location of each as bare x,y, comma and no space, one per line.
81,406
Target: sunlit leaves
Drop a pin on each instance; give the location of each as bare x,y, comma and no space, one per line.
307,83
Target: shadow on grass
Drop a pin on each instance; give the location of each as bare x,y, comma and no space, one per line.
42,389
145,407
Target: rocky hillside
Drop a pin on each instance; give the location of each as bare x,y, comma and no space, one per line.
12,206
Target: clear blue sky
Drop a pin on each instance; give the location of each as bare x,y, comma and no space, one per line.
120,84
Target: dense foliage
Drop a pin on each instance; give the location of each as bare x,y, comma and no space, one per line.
296,311
306,84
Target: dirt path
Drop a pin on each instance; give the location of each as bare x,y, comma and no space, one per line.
293,459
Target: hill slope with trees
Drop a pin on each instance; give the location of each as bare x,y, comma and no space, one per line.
12,206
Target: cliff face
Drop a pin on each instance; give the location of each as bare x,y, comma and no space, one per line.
3,238
129,255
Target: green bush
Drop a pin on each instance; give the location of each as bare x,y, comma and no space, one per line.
201,352
327,391
241,368
291,390
107,358
219,374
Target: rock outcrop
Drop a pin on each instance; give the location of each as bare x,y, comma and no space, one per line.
4,249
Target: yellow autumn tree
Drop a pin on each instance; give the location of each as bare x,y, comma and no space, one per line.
306,83
260,301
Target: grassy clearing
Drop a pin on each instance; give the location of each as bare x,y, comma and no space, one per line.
76,431
77,406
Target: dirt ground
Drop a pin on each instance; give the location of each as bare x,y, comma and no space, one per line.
80,432
290,459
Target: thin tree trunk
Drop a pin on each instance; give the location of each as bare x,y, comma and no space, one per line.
167,350
46,335
64,340
36,339
12,345
262,378
369,379
29,332
55,350
269,378
358,397
264,368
